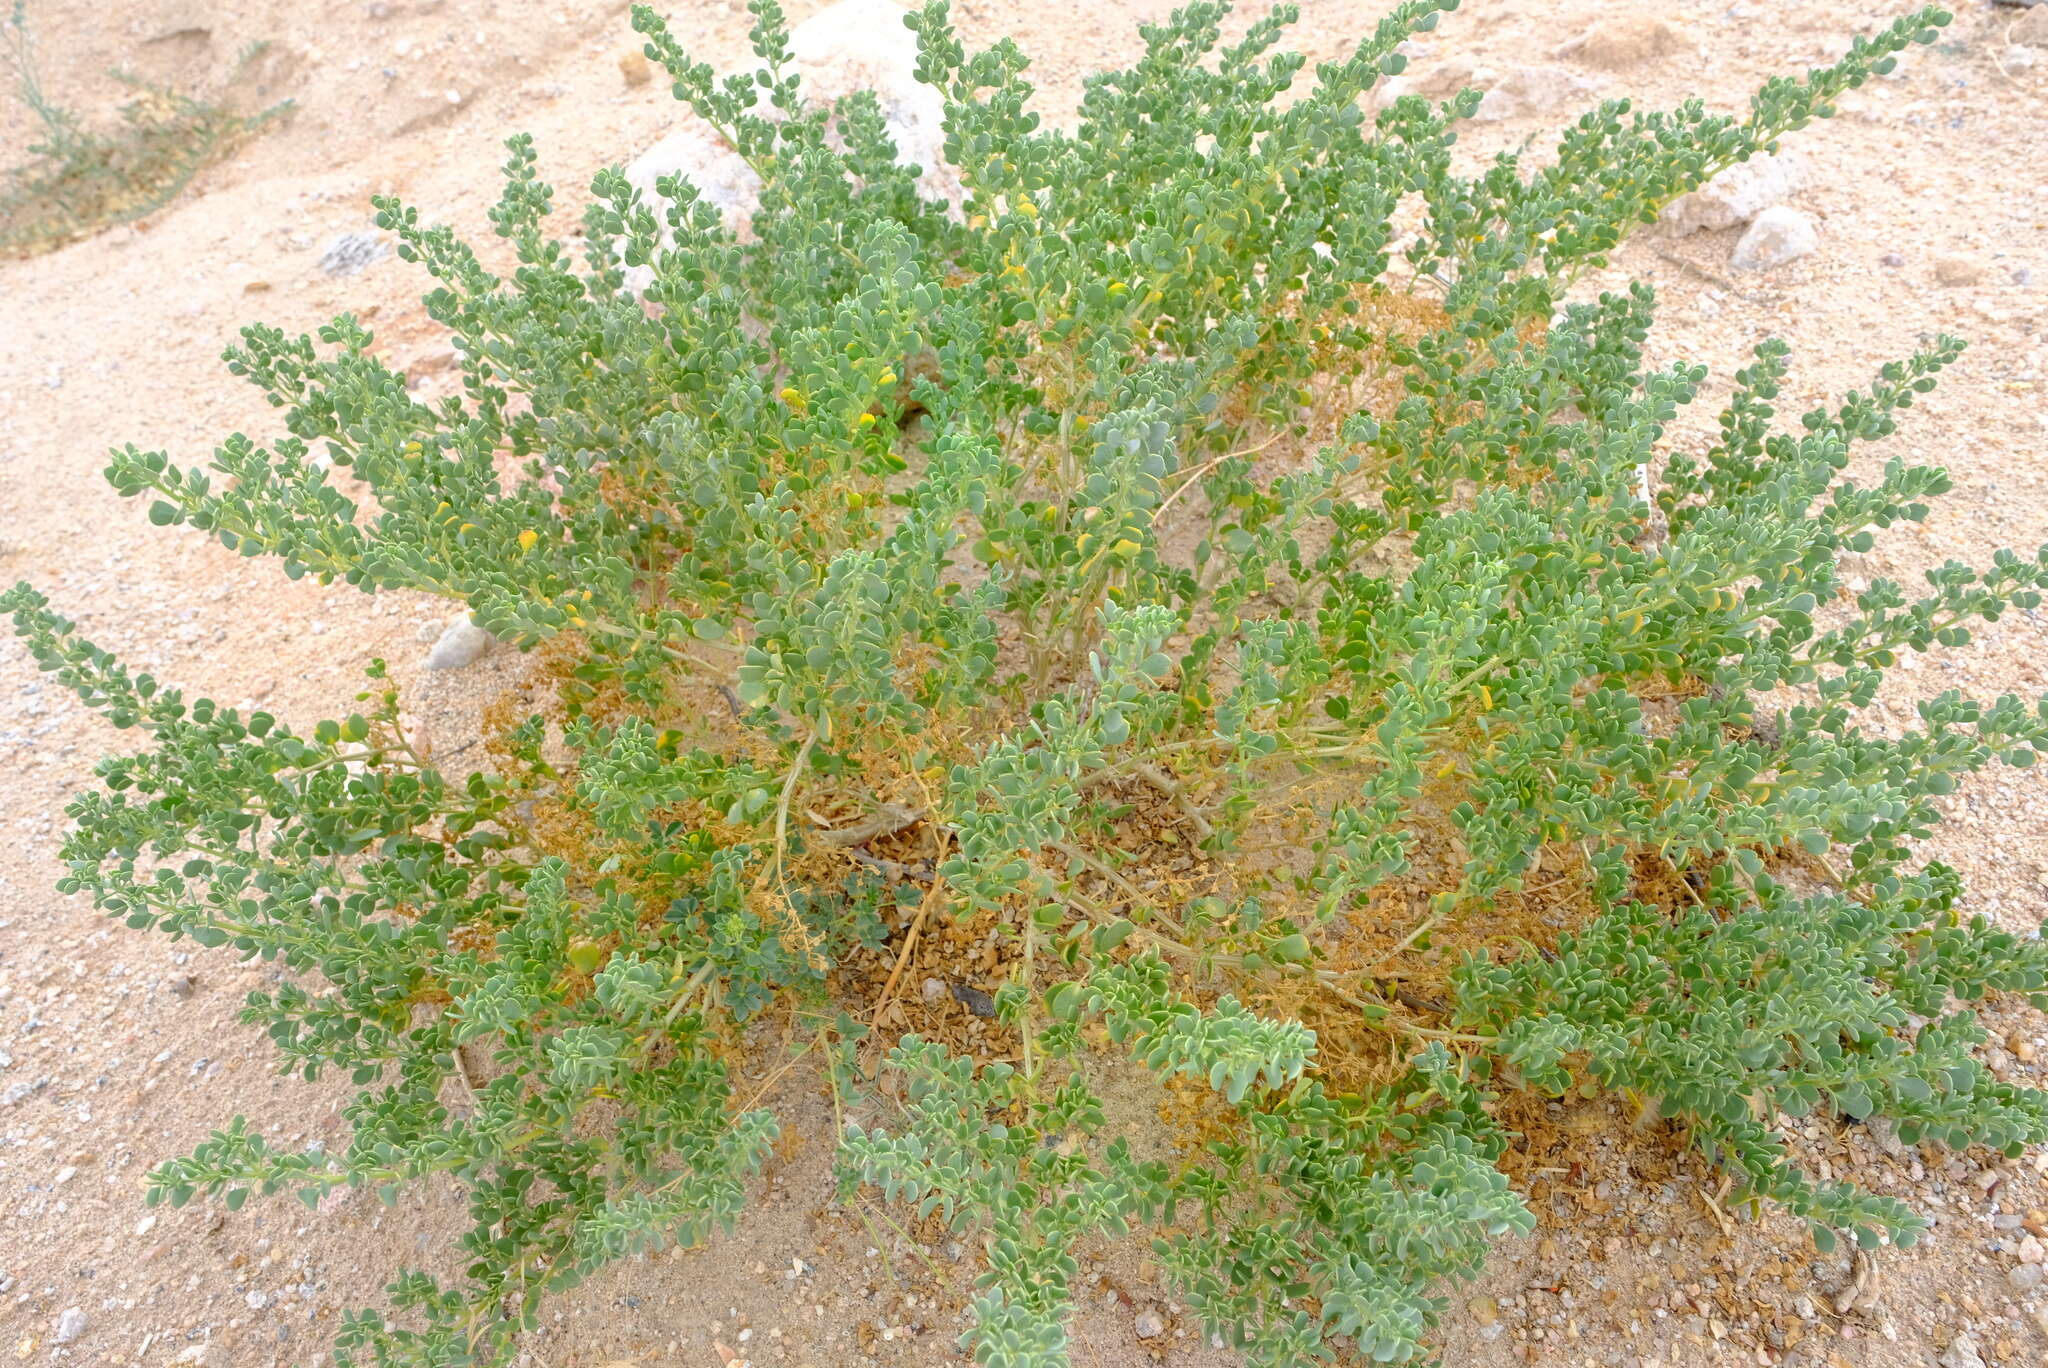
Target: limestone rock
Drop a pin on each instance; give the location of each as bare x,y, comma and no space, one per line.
350,253
462,643
1735,196
696,152
1958,270
1962,1352
1532,90
863,45
1438,81
851,46
1625,41
1775,237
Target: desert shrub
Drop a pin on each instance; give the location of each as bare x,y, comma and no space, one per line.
1222,577
79,179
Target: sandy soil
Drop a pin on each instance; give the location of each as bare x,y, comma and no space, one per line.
117,1049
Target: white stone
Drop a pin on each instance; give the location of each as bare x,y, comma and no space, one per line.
696,152
1775,237
1533,90
349,253
1962,1353
864,45
847,47
462,643
70,1325
2020,57
1149,1325
1437,81
1623,41
1735,196
2032,1251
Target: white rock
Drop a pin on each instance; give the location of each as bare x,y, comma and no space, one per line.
850,46
1962,1353
1959,270
1735,196
192,1354
2020,57
70,1325
349,253
1624,41
864,45
2032,1251
1775,237
1437,81
462,643
696,152
1149,1325
2024,1277
1532,90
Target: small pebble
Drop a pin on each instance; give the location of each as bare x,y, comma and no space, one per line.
1778,235
462,643
70,1325
1962,1353
1149,1325
349,253
974,1000
1958,270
